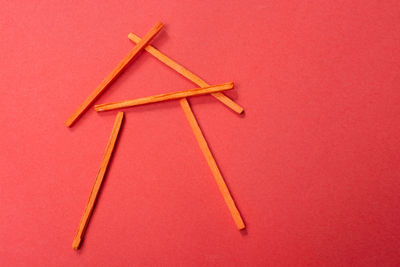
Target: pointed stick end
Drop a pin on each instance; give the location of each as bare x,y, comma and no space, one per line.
98,108
76,243
68,123
159,24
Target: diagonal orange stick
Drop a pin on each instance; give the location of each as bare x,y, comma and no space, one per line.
99,179
114,74
186,73
164,97
212,164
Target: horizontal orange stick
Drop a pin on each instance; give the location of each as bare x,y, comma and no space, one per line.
186,73
114,74
212,164
164,97
99,179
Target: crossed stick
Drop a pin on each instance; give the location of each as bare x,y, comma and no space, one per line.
205,89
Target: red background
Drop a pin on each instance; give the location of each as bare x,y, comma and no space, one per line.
313,164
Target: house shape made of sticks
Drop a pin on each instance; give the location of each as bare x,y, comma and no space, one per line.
205,88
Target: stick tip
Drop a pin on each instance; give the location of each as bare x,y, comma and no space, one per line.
120,114
240,110
76,243
159,24
98,108
239,223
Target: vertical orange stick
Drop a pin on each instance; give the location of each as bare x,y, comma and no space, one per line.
212,164
187,74
99,179
114,74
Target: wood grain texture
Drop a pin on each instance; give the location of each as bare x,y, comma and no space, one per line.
186,73
212,164
114,74
164,97
99,179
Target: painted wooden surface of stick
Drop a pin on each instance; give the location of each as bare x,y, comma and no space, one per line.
114,74
212,164
99,179
164,97
186,73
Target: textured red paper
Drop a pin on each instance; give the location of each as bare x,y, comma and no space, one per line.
313,164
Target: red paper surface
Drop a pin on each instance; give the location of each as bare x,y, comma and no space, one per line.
313,164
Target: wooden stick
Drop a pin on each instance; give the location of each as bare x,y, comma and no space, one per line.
114,74
99,179
164,97
212,164
186,73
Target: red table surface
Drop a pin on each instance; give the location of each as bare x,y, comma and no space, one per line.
313,164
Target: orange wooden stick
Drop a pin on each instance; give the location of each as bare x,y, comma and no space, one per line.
212,164
114,74
164,97
99,179
186,73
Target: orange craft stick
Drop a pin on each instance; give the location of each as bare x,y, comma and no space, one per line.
212,164
114,74
164,97
99,179
186,73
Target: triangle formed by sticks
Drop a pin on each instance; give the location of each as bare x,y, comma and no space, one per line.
205,88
